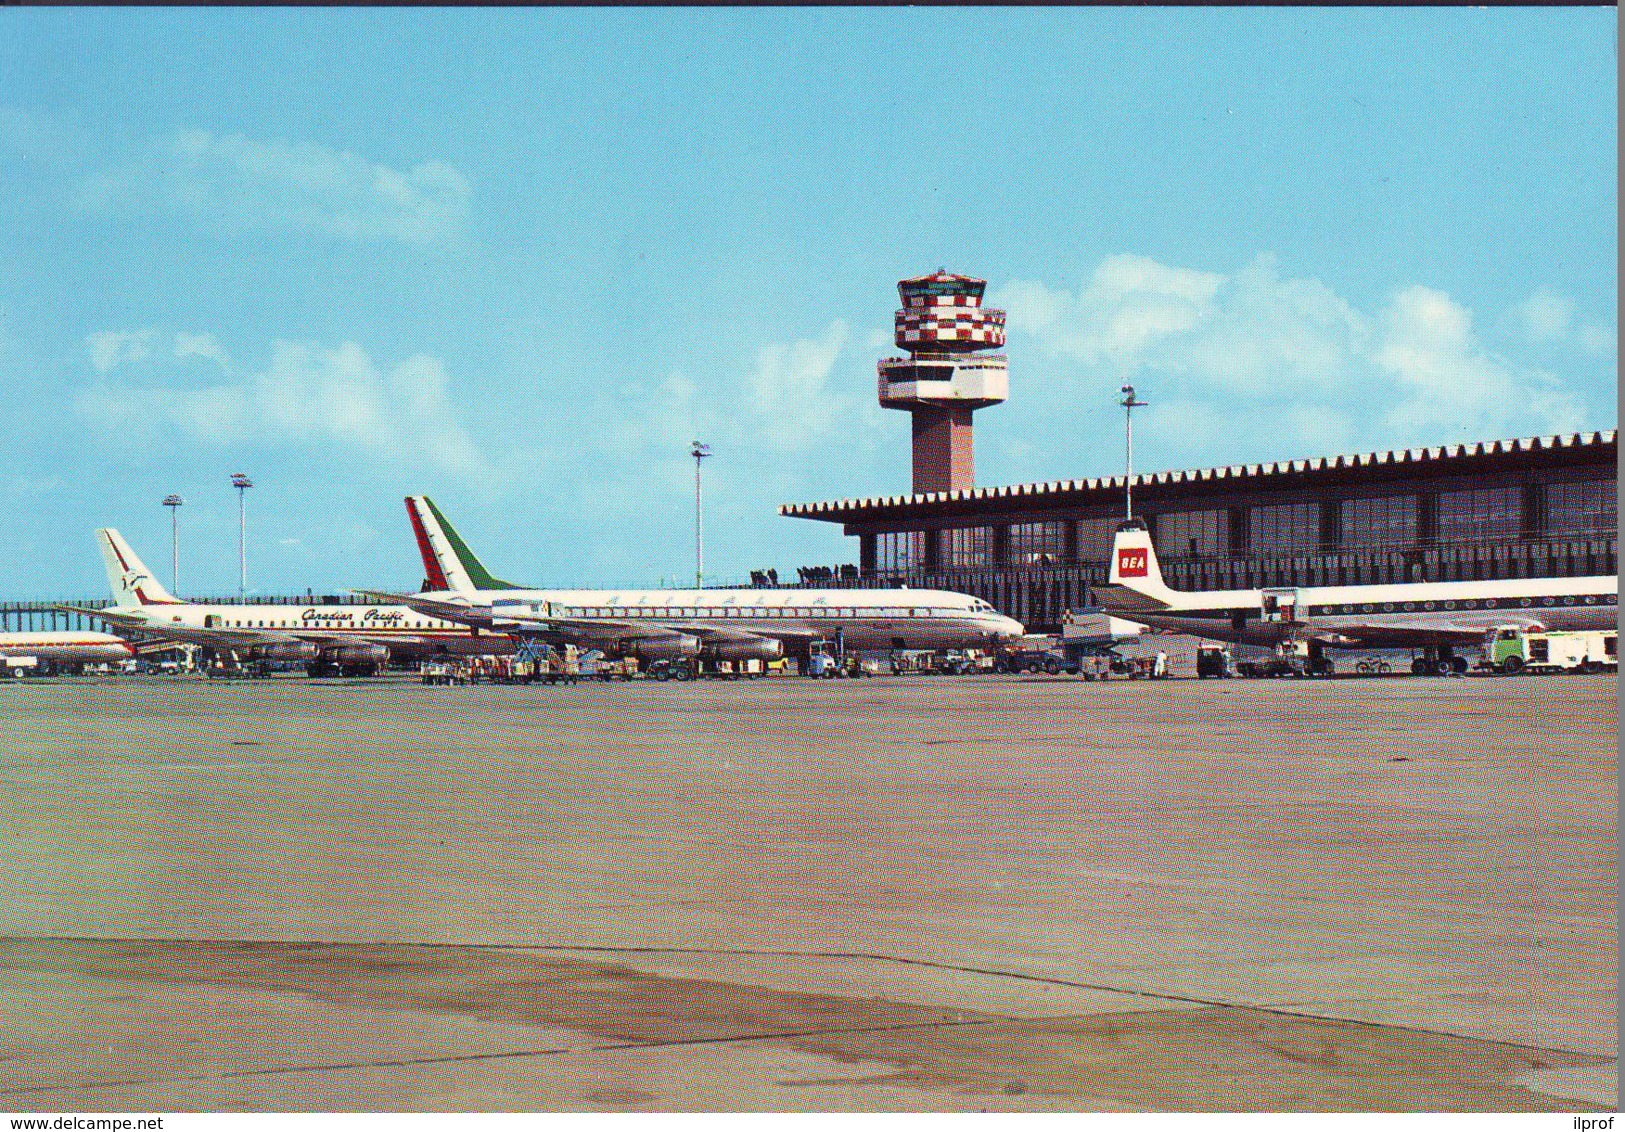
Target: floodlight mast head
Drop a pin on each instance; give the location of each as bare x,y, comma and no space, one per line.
947,376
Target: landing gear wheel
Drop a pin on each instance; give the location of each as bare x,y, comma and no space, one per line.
1419,667
1442,667
681,673
1458,665
1052,668
663,674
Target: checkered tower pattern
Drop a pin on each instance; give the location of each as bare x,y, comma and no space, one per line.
942,311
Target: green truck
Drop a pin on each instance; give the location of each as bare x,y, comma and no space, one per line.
1511,649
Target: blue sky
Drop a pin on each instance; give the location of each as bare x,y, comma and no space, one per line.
517,259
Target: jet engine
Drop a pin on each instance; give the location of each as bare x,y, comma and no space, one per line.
675,647
301,651
763,648
358,654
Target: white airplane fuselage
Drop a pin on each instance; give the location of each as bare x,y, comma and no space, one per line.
1358,611
405,632
66,647
1430,615
860,620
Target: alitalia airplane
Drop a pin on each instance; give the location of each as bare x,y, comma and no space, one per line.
719,624
1437,617
351,639
69,650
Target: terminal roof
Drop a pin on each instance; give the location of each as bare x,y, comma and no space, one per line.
1327,471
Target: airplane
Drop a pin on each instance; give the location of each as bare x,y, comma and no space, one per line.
1437,617
349,639
61,650
687,625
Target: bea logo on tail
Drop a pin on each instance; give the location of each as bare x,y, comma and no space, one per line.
1131,563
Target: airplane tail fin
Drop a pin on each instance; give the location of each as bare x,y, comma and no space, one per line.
1134,566
132,584
448,563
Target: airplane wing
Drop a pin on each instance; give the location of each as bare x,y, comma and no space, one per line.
1124,602
479,616
190,634
1413,632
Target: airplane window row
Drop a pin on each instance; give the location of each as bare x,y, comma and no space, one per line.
322,623
768,611
1469,603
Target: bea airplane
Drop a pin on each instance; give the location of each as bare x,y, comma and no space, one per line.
1437,617
681,625
351,639
62,650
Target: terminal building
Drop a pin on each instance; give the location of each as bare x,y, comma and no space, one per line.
1534,507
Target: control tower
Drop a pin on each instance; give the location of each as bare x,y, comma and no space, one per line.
946,377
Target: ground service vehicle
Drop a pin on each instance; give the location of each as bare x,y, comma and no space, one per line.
1212,661
1510,649
1051,661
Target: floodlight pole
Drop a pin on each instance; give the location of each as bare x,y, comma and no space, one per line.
699,452
174,503
1129,404
242,483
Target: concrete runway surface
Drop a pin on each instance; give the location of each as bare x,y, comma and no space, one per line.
894,894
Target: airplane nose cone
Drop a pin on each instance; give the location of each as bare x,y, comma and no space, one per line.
1011,629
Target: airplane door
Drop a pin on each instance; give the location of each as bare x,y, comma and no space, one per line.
1280,606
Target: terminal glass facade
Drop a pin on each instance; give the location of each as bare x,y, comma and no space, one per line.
967,546
1586,507
1488,514
1386,522
900,551
1095,538
1037,542
1285,528
1192,534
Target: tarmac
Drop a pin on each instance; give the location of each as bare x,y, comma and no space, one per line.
972,893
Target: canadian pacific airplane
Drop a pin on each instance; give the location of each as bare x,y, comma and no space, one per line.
71,650
720,624
1437,617
352,639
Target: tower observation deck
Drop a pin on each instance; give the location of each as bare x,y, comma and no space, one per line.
946,376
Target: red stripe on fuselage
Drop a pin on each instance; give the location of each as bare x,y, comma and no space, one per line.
431,564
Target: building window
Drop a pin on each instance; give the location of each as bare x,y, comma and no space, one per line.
967,546
1042,543
900,551
1586,508
1095,538
1388,521
1192,534
1484,513
1285,528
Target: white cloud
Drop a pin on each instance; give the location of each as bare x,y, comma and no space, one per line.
1546,316
1253,355
112,348
1130,304
1452,386
242,183
310,396
201,346
787,402
791,402
1598,341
